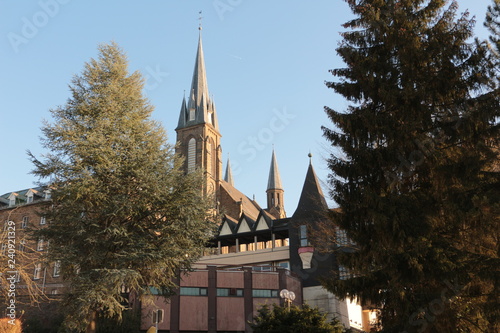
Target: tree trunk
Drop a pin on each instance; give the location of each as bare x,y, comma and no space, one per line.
91,327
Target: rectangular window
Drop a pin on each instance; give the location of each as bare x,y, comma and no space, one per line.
264,293
57,268
25,222
263,268
40,245
4,249
43,221
343,273
229,292
29,199
284,264
22,245
12,201
190,291
38,272
303,236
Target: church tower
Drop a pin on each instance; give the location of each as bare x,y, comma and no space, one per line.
275,203
198,129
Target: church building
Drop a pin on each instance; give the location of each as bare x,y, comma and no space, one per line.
259,255
258,251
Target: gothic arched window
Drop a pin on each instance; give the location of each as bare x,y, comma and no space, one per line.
191,155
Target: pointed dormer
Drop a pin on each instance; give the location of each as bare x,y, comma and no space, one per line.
198,129
275,203
228,176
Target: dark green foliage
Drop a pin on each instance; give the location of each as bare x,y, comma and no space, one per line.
293,320
130,323
417,177
47,317
123,213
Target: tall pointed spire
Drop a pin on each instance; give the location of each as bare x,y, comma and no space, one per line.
275,203
274,181
228,177
199,86
198,130
200,108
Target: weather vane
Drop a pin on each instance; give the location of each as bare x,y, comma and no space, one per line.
200,18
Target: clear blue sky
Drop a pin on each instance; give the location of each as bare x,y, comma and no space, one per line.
266,66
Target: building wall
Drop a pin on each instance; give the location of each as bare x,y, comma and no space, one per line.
228,313
27,253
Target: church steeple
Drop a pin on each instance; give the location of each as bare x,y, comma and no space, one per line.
275,203
198,129
228,176
200,108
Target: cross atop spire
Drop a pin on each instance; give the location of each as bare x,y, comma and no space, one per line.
200,18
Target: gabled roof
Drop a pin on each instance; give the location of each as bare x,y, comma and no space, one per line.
21,196
245,225
249,207
312,202
264,221
228,226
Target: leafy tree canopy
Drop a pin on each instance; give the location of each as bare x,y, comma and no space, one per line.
124,216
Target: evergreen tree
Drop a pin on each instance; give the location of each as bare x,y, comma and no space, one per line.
415,182
293,320
124,217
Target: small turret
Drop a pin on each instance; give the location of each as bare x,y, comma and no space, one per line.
275,203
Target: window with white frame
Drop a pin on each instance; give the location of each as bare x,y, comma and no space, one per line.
25,222
3,249
29,198
191,114
22,245
40,245
37,274
43,220
57,268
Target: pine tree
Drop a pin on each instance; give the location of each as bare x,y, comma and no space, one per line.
124,217
414,180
